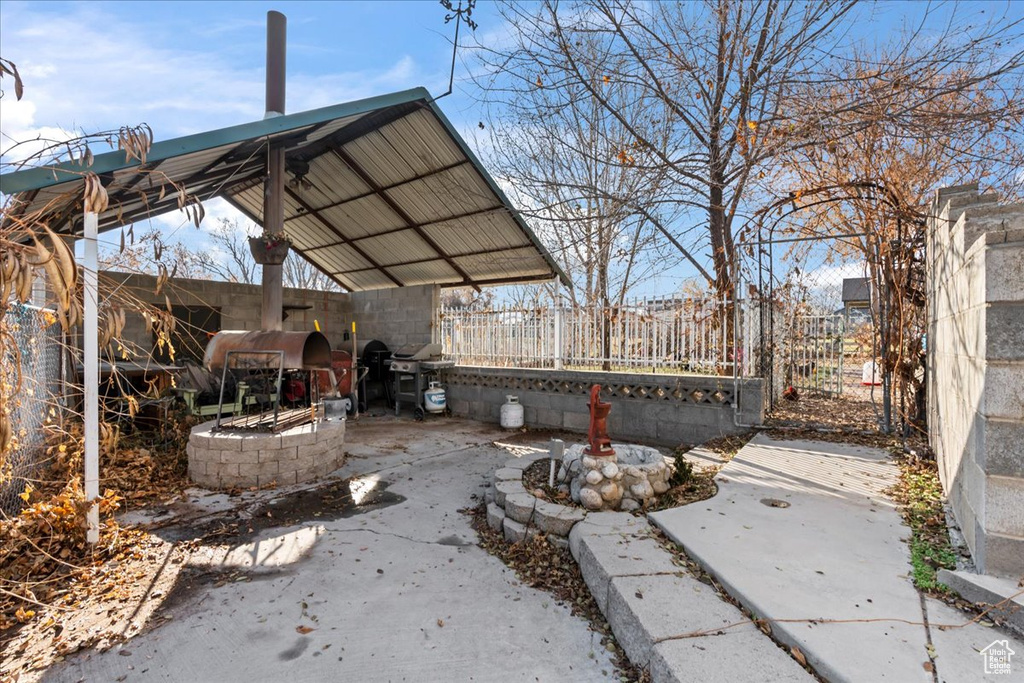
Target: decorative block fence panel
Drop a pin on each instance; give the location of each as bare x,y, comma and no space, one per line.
663,409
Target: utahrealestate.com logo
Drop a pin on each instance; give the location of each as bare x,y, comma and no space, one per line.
997,657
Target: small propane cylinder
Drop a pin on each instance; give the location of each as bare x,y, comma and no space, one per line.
869,374
434,399
511,413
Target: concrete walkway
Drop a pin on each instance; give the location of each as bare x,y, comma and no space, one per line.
666,619
800,533
398,593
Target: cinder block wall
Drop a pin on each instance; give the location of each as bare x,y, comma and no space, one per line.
239,305
395,316
976,369
662,409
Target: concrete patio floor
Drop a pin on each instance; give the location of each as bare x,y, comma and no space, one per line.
802,534
397,593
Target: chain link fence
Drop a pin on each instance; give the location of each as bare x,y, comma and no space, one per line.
32,367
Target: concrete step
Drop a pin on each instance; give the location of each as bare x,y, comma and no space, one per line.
989,590
663,617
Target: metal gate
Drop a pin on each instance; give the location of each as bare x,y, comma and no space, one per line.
816,353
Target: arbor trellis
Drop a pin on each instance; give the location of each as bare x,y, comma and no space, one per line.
896,277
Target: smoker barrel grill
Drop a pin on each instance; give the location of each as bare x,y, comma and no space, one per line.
276,352
411,367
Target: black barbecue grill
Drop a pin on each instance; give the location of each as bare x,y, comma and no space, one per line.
411,367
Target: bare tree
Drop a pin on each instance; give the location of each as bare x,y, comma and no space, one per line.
149,253
706,81
875,179
715,81
230,259
574,170
227,258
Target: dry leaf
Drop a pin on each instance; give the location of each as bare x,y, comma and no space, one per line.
798,655
440,622
304,629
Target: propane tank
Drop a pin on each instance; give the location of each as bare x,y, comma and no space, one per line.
869,374
511,413
434,399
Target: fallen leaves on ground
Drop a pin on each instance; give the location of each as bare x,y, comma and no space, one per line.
840,412
541,565
52,582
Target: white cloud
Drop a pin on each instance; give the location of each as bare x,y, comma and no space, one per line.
89,68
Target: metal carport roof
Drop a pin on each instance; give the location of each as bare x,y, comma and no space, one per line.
381,192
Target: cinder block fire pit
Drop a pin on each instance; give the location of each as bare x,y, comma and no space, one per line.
223,459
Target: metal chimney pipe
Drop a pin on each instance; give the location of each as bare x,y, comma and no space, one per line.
277,28
273,190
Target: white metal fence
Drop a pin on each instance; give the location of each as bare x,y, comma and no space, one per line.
671,335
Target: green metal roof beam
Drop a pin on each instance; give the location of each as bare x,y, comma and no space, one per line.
48,176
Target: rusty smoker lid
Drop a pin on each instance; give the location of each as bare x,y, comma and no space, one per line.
302,350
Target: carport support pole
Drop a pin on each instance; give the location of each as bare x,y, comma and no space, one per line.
273,200
90,366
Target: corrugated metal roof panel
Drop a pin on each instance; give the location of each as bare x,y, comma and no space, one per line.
369,279
459,190
504,264
493,230
397,247
332,127
310,232
366,216
339,259
428,272
344,183
400,150
400,145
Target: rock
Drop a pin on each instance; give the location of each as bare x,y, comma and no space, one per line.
495,517
594,477
610,470
628,505
574,489
563,488
589,463
591,499
506,488
563,473
516,532
632,471
555,519
641,491
660,487
611,492
519,506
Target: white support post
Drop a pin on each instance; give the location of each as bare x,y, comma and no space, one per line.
557,341
90,362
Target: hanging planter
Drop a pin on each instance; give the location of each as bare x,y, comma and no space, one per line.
269,250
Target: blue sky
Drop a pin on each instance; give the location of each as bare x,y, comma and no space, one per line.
184,67
189,66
